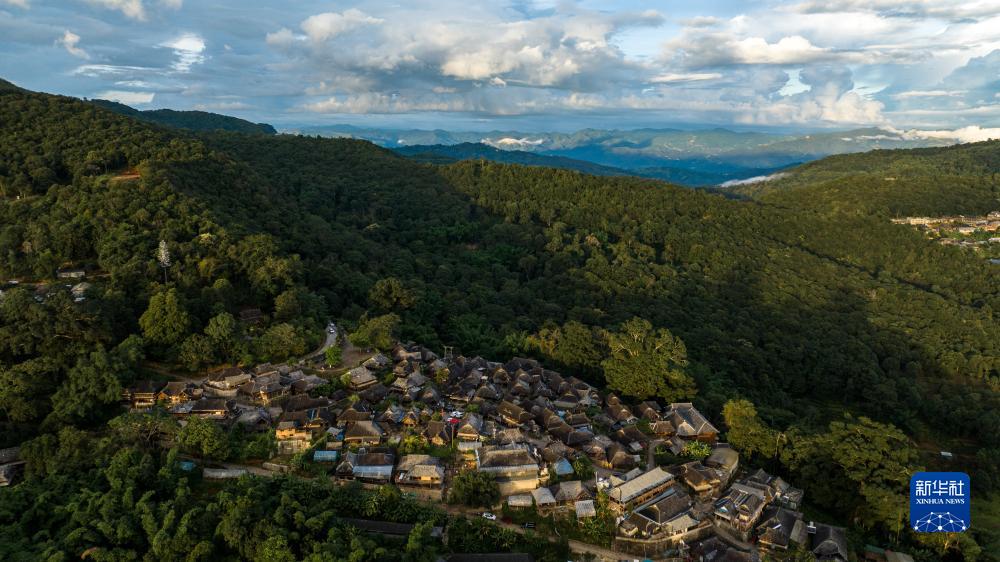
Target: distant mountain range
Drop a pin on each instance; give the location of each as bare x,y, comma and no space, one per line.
191,120
694,158
695,173
697,158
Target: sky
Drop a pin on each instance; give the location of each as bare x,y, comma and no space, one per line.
524,65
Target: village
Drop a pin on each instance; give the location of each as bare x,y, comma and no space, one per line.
974,232
557,448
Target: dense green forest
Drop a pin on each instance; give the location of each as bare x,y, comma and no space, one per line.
193,120
64,204
962,179
808,302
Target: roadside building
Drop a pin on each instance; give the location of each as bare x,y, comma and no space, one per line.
640,489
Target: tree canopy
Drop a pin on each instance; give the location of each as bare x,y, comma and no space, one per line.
647,363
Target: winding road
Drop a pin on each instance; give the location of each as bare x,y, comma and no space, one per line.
331,339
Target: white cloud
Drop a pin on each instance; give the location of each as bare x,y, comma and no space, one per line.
944,9
23,4
508,143
828,108
788,50
913,63
570,48
322,27
781,37
928,94
830,99
671,77
972,133
755,179
105,70
281,38
131,8
702,21
136,84
700,48
345,83
189,49
223,106
69,40
126,97
373,102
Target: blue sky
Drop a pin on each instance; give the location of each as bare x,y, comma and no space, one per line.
525,65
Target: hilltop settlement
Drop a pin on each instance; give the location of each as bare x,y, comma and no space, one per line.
654,476
979,233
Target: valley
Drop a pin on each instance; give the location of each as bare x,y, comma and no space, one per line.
793,314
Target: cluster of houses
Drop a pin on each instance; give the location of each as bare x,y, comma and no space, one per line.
529,427
960,225
258,398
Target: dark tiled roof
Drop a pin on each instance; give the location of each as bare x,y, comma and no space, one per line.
209,405
364,429
830,543
669,507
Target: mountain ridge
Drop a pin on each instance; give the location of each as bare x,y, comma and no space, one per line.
691,173
691,157
190,120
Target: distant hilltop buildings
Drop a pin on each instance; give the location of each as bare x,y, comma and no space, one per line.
974,232
989,222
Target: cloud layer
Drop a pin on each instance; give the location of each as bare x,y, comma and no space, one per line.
838,63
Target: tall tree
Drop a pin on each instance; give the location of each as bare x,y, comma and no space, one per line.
90,385
163,258
389,294
280,342
859,467
378,332
203,438
647,363
196,351
574,345
166,321
746,432
474,489
223,332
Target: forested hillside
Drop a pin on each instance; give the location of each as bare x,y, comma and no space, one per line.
801,311
82,187
193,120
804,309
962,179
